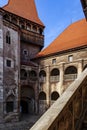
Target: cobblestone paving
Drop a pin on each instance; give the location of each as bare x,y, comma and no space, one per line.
25,124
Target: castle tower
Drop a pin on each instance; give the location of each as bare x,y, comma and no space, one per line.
21,38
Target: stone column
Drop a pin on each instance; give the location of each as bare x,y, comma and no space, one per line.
61,77
48,85
80,67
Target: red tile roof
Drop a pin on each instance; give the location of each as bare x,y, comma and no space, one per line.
72,37
23,8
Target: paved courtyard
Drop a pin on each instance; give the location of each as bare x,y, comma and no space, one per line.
25,124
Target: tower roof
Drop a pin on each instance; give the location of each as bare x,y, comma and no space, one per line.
23,8
72,37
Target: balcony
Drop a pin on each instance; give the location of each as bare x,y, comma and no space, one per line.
68,112
32,37
70,77
54,78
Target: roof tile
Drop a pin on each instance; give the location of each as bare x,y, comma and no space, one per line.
72,37
23,8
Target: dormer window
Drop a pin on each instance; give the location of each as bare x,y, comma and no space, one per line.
8,38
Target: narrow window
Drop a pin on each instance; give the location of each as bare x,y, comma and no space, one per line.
8,63
8,39
53,61
70,58
25,52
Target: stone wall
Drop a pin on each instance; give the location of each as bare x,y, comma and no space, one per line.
59,83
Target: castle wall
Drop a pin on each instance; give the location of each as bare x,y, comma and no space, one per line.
59,83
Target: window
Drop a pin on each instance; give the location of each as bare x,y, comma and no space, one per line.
8,63
53,61
9,106
25,52
70,58
8,39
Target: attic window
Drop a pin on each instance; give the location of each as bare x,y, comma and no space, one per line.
70,58
53,61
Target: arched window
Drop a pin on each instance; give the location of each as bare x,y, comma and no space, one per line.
71,70
42,73
42,96
42,76
54,75
54,96
70,73
33,75
10,104
23,74
8,38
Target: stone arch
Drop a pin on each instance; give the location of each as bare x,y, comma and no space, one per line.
71,70
23,74
27,104
42,73
10,103
42,76
54,95
33,75
55,72
54,75
70,73
85,67
42,96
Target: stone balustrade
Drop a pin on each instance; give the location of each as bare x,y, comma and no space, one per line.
67,113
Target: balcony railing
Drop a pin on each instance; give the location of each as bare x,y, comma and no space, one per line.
32,37
68,112
54,78
42,79
70,77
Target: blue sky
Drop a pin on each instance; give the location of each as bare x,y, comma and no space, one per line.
56,15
